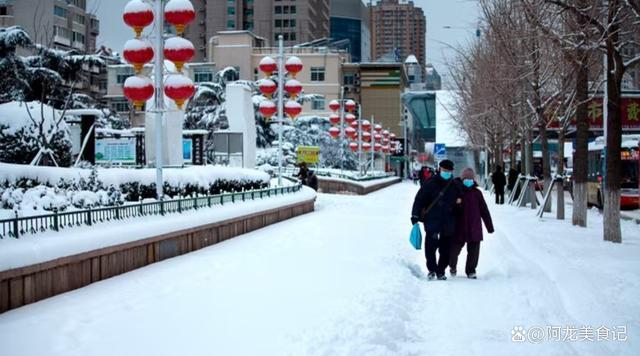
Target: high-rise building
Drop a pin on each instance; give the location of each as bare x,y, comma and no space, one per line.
298,21
62,24
350,21
398,28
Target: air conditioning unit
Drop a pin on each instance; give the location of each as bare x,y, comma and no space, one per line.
356,82
357,75
357,89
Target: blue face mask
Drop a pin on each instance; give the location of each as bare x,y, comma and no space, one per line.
446,175
468,183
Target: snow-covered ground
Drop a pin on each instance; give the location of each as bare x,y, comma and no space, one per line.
345,281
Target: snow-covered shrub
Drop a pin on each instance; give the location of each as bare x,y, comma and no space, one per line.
43,198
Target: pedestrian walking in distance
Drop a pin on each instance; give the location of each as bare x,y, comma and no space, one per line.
435,205
499,181
469,225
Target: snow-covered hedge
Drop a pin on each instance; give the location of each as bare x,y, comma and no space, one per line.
102,187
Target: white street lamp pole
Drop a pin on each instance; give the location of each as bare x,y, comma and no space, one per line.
280,104
159,93
341,130
373,145
359,118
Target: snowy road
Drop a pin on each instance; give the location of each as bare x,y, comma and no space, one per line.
345,281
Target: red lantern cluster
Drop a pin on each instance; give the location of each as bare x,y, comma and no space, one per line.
268,87
179,13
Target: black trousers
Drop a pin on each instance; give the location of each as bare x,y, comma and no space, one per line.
500,197
473,255
432,243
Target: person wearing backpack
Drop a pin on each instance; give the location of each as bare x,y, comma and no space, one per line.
469,225
436,204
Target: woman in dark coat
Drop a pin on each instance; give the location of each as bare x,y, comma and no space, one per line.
499,182
469,225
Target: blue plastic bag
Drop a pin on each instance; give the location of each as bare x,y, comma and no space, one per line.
416,237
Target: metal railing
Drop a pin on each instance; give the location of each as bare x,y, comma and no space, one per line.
57,221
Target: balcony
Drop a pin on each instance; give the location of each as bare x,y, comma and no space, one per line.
7,21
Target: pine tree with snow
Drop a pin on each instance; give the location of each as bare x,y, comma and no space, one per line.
15,80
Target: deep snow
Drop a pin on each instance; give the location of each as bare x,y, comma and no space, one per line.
345,281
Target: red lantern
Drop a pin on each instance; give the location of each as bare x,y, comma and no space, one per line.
179,88
366,125
385,141
334,105
137,15
377,147
267,87
267,108
366,147
351,132
378,127
268,66
350,105
385,149
366,136
349,118
354,124
392,136
353,146
138,89
292,108
179,51
385,133
138,53
179,13
334,132
293,65
334,119
293,87
377,137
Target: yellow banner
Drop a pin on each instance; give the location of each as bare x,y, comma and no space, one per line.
308,154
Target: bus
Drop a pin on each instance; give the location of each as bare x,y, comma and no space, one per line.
630,172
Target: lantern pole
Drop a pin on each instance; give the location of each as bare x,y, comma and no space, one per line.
359,118
159,94
341,130
373,145
280,104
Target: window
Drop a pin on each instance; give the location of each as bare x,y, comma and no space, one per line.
317,104
278,23
3,11
285,23
292,23
278,9
78,37
231,11
231,24
349,79
78,19
204,76
61,32
120,106
292,36
317,74
58,11
285,9
123,74
293,9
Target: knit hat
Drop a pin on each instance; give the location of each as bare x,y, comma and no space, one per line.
446,164
468,173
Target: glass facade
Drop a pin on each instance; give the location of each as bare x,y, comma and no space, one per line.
350,29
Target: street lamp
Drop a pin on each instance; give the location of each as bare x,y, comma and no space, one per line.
138,14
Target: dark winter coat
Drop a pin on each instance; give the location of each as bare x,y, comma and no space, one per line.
441,218
513,178
499,181
474,212
312,181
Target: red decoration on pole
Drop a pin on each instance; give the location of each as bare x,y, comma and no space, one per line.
334,119
334,132
350,105
267,87
385,133
268,65
293,87
138,15
354,124
377,137
349,118
138,89
138,53
366,136
267,108
179,13
366,125
292,108
293,65
351,132
366,146
334,105
353,146
378,127
392,136
179,51
179,88
377,147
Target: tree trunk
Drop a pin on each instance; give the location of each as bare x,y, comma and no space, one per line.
546,165
560,186
580,163
614,132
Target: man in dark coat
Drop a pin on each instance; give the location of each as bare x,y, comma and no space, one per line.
312,180
499,181
469,225
435,205
513,178
303,173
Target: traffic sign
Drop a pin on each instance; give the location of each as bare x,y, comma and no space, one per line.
440,151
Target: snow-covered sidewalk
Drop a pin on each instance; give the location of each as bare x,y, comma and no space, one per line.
345,281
